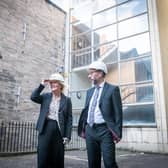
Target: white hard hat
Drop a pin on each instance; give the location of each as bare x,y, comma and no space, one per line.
57,77
98,65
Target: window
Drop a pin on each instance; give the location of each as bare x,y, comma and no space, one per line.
117,32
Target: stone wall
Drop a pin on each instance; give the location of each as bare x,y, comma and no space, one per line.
32,36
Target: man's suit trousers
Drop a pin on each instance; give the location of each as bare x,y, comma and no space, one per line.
99,142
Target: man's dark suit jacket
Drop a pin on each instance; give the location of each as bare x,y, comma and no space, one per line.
64,113
111,108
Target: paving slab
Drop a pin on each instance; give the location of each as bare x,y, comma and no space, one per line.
78,159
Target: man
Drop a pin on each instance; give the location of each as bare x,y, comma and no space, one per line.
101,119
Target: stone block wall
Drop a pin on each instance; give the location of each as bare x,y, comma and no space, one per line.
32,39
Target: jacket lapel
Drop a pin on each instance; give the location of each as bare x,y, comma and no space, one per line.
47,103
104,91
62,102
90,93
49,99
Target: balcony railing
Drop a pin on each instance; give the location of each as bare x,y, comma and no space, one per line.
81,58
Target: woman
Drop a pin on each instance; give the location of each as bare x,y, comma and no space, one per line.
54,123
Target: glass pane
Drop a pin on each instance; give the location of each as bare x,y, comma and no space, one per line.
79,27
79,12
139,114
136,71
144,94
120,1
136,94
102,4
112,76
134,46
127,72
105,35
133,26
81,41
78,2
78,99
131,8
128,94
143,70
104,18
107,53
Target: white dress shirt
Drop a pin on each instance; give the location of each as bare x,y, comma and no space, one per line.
98,118
54,107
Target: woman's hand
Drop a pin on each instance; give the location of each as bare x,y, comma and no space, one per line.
65,140
44,82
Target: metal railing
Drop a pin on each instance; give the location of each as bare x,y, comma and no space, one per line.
17,137
22,137
76,142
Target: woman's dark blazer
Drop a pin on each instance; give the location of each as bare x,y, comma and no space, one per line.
64,113
111,108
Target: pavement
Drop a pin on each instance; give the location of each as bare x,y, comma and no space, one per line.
78,159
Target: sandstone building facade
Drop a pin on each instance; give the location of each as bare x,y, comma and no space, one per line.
32,39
